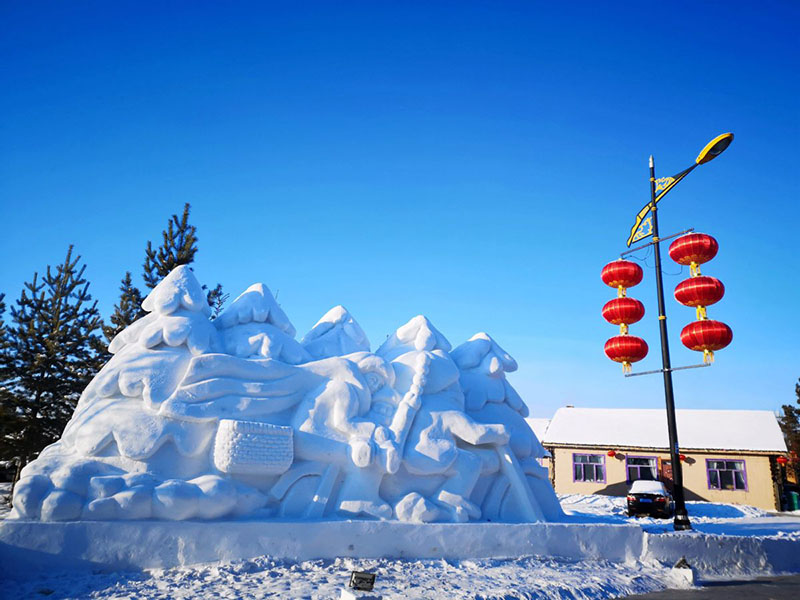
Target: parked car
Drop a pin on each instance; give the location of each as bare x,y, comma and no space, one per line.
650,498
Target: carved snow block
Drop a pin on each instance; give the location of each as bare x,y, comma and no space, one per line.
251,448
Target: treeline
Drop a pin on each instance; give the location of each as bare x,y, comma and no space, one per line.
53,341
790,426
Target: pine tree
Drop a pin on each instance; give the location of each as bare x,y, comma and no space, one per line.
5,404
53,351
790,425
216,300
178,247
127,310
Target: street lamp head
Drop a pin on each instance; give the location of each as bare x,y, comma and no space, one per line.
714,148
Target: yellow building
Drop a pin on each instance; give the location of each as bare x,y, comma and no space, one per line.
727,455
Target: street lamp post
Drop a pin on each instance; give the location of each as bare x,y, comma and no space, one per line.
713,149
681,522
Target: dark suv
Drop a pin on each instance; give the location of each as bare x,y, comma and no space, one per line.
650,498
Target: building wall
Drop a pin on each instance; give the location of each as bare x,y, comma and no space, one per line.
760,490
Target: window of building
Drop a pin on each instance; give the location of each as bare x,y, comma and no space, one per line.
589,467
726,474
642,467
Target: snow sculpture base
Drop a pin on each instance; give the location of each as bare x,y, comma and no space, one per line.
132,545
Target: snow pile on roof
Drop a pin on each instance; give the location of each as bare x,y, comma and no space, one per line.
539,426
754,430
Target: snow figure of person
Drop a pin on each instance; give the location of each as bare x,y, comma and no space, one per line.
490,398
431,426
340,411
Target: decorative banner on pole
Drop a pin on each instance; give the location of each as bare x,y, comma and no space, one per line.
643,226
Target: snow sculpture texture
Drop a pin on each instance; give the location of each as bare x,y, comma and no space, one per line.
200,419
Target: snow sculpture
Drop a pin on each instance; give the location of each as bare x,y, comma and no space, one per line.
200,419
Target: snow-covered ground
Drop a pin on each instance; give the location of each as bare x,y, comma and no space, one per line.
706,517
526,577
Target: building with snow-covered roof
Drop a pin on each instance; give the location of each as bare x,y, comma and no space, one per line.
728,455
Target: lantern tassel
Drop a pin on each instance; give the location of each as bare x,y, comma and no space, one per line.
708,357
694,269
623,329
701,313
621,292
626,367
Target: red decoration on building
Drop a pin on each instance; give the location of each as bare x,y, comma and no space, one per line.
626,349
782,461
612,453
621,274
623,311
682,457
699,291
693,249
706,336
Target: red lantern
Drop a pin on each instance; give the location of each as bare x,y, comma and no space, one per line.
699,291
682,457
782,461
623,311
621,274
706,337
626,349
612,453
693,249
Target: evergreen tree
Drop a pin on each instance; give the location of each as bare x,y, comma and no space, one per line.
178,247
5,414
127,310
790,426
216,300
53,351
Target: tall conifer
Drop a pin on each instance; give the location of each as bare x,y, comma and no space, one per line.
127,310
790,425
53,351
178,247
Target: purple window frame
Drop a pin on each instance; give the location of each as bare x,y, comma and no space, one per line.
605,473
722,489
628,465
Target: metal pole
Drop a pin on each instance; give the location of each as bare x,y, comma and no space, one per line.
681,521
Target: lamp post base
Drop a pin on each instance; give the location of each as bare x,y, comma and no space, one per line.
681,522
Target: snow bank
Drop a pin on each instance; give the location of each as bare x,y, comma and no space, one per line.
32,545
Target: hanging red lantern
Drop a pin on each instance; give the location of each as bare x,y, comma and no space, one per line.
782,461
706,337
682,457
626,349
621,274
699,291
693,249
623,311
612,453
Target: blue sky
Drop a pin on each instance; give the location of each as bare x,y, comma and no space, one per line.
478,162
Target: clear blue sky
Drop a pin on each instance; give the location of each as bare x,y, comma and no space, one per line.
478,162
